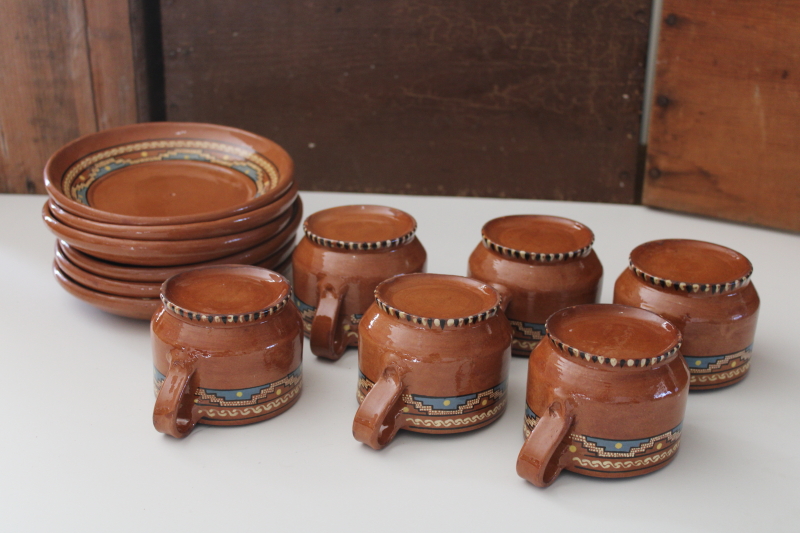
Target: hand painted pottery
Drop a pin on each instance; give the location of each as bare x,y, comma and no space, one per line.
705,290
346,252
542,264
162,253
227,348
167,173
433,356
606,395
260,254
172,232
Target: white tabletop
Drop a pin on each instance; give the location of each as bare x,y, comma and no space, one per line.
79,452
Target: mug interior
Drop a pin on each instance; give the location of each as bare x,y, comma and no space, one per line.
614,331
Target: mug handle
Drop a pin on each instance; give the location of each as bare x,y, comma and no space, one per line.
538,461
377,419
174,412
327,337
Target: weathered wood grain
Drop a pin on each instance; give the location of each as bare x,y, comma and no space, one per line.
66,70
492,98
724,137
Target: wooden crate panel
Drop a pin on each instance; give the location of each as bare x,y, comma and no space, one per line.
724,137
525,99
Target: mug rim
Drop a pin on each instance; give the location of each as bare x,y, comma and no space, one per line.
440,322
537,256
693,287
248,316
329,242
607,361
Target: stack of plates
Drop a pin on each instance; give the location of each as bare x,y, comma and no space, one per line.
135,205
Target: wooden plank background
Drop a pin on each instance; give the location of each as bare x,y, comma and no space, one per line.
533,98
724,137
66,70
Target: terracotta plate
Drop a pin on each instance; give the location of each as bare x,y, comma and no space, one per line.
167,173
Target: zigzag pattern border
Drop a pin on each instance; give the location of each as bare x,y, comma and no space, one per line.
246,155
720,376
289,381
495,393
744,355
456,422
712,288
264,408
533,256
608,465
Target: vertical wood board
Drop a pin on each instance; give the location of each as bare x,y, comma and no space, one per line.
724,136
504,98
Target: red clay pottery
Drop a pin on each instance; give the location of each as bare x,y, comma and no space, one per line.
172,232
163,253
705,290
259,254
542,264
140,308
346,252
433,356
606,396
167,173
227,348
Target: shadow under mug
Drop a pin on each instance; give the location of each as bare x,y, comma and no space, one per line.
347,251
227,348
434,353
606,395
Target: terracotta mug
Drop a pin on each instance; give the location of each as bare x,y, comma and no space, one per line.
541,264
606,395
705,290
227,348
346,252
433,356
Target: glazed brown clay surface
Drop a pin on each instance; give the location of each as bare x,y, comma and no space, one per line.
606,395
198,230
260,254
541,264
163,253
140,308
167,173
433,355
705,290
227,348
346,252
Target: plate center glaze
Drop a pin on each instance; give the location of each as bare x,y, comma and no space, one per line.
170,188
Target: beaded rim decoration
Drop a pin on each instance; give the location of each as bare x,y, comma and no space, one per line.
611,361
226,319
685,286
532,256
350,245
434,323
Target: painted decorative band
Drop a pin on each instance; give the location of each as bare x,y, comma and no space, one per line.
596,452
226,319
436,322
350,245
86,171
434,413
685,286
538,257
612,361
